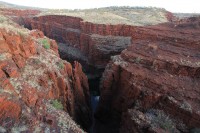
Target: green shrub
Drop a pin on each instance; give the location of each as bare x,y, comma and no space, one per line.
61,65
45,43
57,104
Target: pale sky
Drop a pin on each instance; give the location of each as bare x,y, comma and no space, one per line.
184,6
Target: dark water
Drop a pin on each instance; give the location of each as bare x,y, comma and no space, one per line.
94,102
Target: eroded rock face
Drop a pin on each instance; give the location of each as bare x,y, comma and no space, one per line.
160,70
32,77
94,42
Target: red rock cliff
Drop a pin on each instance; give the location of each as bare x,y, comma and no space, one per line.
95,41
38,89
157,76
159,71
98,42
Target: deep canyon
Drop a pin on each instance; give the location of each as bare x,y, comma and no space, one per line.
147,76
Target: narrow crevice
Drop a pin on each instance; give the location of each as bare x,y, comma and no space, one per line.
72,54
69,53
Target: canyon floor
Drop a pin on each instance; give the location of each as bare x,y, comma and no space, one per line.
106,70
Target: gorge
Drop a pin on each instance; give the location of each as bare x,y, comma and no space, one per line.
144,75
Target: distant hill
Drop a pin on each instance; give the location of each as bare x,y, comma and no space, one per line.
116,15
111,15
9,5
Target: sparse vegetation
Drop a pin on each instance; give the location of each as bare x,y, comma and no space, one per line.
2,57
37,61
61,64
136,60
186,106
22,34
19,129
57,104
9,25
65,122
3,19
190,63
44,42
116,15
160,120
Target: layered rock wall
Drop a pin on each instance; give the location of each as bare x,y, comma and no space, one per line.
160,70
85,36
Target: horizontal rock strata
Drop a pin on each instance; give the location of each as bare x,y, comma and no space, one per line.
160,70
